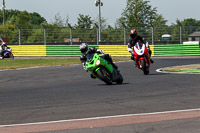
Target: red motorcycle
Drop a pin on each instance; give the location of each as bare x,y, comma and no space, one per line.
142,58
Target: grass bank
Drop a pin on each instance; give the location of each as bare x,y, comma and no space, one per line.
191,69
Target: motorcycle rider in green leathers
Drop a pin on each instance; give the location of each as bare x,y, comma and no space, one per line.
85,50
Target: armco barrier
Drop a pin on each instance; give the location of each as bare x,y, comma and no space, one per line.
114,50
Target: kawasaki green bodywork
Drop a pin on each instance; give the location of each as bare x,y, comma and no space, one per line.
94,61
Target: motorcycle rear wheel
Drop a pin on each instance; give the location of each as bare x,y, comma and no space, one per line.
104,76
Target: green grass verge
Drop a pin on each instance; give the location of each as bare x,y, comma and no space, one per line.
25,63
184,69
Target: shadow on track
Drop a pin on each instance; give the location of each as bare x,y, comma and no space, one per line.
112,84
158,74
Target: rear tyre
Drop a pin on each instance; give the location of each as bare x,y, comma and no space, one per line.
104,76
144,68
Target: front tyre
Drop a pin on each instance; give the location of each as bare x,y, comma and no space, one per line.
11,56
104,76
144,68
120,79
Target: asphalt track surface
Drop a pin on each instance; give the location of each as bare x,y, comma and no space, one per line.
67,92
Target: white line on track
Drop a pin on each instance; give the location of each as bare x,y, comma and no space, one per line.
104,117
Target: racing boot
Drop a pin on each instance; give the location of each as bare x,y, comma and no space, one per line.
151,61
115,66
132,58
150,56
92,76
109,59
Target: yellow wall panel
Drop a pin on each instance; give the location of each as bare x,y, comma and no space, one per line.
152,49
29,50
119,50
115,50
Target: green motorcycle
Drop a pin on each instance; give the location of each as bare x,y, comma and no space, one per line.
102,69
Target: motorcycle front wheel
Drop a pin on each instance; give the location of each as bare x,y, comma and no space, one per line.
144,68
104,76
11,56
120,79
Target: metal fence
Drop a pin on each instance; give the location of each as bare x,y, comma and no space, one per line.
110,36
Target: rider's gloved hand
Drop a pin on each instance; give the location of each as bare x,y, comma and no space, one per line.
102,52
147,45
130,50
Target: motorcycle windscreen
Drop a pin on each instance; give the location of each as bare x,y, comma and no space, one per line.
139,49
89,57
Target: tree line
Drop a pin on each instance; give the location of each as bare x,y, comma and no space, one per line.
137,14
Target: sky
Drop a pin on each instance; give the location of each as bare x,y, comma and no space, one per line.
111,10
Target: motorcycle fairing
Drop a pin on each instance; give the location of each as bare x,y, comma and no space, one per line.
138,50
91,63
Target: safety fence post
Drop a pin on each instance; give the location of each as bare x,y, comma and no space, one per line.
97,27
71,38
181,41
152,34
19,33
125,38
45,35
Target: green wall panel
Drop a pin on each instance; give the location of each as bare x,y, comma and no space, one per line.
176,50
115,50
64,50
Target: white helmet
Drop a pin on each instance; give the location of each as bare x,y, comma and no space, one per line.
83,47
3,43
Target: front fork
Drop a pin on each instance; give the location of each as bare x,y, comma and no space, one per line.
138,61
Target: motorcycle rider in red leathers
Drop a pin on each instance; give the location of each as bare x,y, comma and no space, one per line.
134,38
